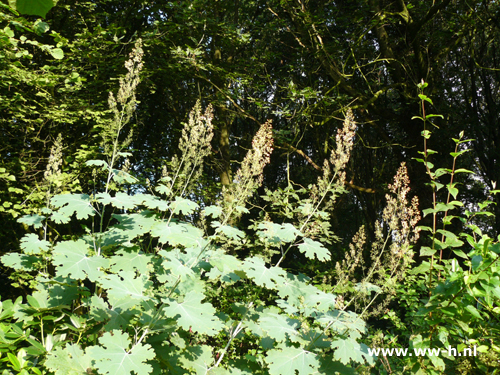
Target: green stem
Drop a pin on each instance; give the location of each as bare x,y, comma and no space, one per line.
432,177
235,333
308,218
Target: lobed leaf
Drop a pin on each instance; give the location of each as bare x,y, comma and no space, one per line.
294,288
20,261
313,248
229,231
197,358
122,177
183,205
178,234
152,202
117,316
60,218
162,189
70,360
278,233
31,244
72,258
35,220
256,269
348,349
194,315
279,326
136,225
215,211
98,163
130,261
69,204
126,285
120,200
291,361
317,300
224,267
342,322
176,266
115,357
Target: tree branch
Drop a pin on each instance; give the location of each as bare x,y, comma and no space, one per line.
415,27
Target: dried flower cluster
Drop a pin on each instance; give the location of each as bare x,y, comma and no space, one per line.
331,183
55,160
250,175
400,215
195,146
123,105
134,66
400,218
353,259
390,252
339,156
344,142
258,157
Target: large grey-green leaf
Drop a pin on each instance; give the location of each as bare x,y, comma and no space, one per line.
69,204
291,361
72,258
126,285
313,248
31,244
70,360
193,314
115,356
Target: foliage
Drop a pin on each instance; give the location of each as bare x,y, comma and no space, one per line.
107,202
451,300
134,296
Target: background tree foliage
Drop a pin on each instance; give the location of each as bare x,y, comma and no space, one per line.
301,62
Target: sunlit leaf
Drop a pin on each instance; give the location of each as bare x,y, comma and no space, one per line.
279,326
70,360
292,361
197,358
313,248
35,220
126,285
69,204
215,211
176,233
130,261
135,225
20,261
193,314
57,53
72,258
117,356
277,233
256,269
348,349
31,244
183,205
120,200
